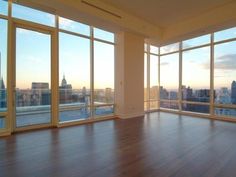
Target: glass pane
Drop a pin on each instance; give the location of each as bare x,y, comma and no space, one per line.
145,78
196,75
3,65
196,108
104,35
169,105
104,110
103,78
169,48
225,34
74,26
154,49
146,106
33,77
196,41
169,76
68,113
153,104
225,73
3,7
153,77
225,112
74,77
2,122
145,47
33,15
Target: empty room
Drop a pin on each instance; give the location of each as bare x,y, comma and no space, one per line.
117,88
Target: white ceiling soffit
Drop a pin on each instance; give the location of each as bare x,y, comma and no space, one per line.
164,13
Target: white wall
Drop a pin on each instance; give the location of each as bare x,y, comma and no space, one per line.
129,82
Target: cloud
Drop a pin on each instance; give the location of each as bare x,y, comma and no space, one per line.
170,48
218,76
164,63
27,32
34,59
66,23
226,62
23,31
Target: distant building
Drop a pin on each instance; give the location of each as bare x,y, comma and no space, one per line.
154,92
163,93
173,95
41,94
3,102
108,95
202,95
223,97
65,91
233,92
187,93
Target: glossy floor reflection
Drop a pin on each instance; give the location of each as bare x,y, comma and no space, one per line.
158,145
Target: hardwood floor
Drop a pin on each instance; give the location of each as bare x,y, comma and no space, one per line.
159,145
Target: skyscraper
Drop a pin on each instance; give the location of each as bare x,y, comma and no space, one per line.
65,91
40,93
233,92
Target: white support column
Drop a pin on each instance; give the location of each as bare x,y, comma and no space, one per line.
55,75
148,77
180,75
212,77
159,80
129,81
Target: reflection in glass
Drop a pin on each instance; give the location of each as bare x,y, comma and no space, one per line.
74,26
225,72
196,75
196,108
104,110
33,15
33,78
226,112
153,105
74,77
169,105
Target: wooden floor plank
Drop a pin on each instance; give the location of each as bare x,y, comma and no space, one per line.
158,145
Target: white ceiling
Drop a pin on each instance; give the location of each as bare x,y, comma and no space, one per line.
164,13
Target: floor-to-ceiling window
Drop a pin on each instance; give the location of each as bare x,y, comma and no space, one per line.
151,77
103,44
74,70
3,63
52,56
225,73
197,75
169,76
